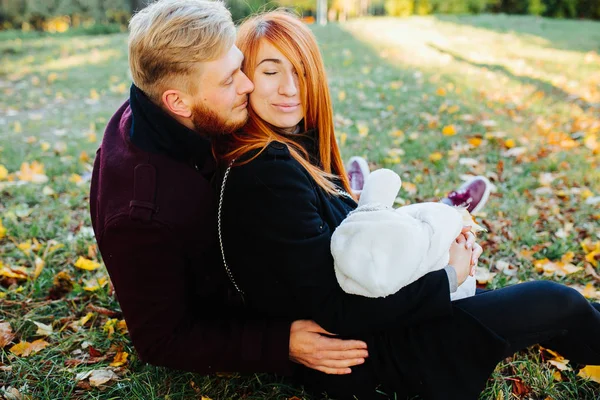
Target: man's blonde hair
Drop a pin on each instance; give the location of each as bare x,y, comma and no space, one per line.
169,38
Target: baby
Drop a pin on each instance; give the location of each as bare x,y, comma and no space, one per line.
378,250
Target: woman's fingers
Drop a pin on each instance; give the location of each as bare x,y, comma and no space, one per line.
477,251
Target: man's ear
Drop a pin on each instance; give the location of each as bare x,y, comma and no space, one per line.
177,103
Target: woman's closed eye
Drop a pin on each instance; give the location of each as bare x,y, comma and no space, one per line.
270,72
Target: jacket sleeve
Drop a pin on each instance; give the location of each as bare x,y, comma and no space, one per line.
275,207
148,270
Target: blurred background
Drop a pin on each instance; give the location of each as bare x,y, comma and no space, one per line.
106,16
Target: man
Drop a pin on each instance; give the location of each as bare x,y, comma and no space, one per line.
152,205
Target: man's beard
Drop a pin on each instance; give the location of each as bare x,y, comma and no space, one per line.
208,122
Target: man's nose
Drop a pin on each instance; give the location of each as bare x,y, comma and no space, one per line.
247,85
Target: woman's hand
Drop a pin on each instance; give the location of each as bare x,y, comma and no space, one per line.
310,348
460,258
469,242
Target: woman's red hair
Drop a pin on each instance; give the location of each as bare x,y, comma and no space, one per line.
297,43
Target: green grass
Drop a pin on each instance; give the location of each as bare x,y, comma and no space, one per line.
403,81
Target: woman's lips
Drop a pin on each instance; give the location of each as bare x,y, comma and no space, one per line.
287,107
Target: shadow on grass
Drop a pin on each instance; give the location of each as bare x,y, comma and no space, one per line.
548,88
571,35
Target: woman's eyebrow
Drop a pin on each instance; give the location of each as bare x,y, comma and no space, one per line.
273,60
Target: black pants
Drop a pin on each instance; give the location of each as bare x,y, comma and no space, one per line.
553,315
543,312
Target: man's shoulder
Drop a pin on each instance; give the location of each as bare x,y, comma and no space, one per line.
132,182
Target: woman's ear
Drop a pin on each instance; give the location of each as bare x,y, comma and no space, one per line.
177,103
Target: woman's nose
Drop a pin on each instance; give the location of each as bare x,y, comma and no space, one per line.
289,85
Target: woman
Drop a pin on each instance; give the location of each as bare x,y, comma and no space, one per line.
285,195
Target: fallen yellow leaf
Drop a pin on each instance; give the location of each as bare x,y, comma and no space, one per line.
86,264
475,141
94,94
363,130
39,266
410,188
74,178
2,230
437,156
449,130
13,272
342,95
3,172
591,372
122,326
25,349
120,359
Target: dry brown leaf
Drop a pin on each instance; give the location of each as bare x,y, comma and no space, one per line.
6,334
98,377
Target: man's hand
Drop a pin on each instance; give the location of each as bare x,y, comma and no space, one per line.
310,348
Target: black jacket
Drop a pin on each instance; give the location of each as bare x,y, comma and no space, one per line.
277,226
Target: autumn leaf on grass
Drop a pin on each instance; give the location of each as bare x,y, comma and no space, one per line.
33,172
591,372
86,264
3,172
95,283
435,156
120,359
13,272
468,220
557,360
6,334
39,266
449,130
475,141
43,329
2,230
559,268
588,291
592,251
363,129
409,187
98,377
483,275
25,349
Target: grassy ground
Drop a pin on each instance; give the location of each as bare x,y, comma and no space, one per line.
436,99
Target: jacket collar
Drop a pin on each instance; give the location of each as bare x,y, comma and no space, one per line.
155,131
309,140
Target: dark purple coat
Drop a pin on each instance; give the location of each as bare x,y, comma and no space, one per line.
153,212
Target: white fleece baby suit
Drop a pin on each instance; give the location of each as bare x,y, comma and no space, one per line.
378,250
